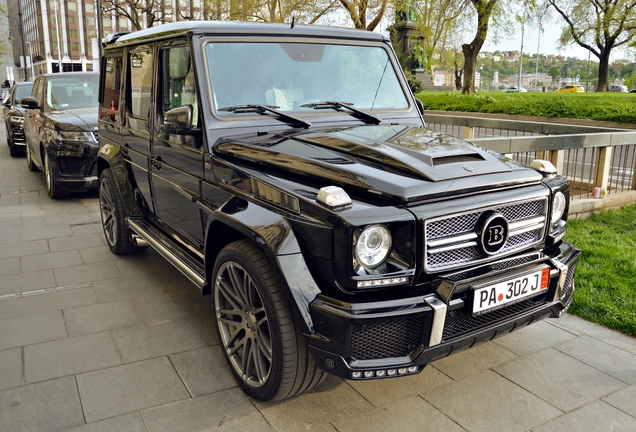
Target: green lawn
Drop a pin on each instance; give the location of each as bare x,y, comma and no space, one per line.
615,107
606,276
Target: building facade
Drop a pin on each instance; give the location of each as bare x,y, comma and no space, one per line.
61,35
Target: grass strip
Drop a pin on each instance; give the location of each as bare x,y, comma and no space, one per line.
606,276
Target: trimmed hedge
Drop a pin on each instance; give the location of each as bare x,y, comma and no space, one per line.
615,107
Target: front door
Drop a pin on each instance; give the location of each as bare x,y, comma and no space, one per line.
177,160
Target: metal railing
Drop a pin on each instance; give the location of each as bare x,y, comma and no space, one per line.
589,156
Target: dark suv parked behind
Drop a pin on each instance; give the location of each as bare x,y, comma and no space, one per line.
14,117
61,131
287,171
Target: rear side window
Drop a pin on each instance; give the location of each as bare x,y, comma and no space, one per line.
140,70
112,85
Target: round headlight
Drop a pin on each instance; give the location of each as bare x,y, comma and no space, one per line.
558,207
373,246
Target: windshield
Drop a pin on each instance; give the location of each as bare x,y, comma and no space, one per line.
22,92
289,75
71,92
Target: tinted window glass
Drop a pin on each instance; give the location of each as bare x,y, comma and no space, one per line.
112,84
177,82
64,92
140,67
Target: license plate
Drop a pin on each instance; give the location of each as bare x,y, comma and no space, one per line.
496,295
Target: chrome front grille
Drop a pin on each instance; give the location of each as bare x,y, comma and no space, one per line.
454,241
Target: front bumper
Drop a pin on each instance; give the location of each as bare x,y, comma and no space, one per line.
399,337
75,171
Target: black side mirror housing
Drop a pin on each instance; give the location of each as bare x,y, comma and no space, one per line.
29,102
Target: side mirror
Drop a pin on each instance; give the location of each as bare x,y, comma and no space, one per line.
29,102
179,118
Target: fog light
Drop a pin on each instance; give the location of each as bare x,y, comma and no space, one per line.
380,373
402,371
356,375
412,369
391,372
368,374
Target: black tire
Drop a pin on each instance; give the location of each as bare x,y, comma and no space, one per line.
251,312
29,159
54,191
118,235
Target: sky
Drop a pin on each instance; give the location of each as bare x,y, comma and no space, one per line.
547,44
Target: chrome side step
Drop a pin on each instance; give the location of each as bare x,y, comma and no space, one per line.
186,264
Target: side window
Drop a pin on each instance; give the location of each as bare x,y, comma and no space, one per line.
36,92
112,87
140,75
177,87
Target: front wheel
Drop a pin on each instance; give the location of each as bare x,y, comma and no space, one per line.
118,235
259,338
52,188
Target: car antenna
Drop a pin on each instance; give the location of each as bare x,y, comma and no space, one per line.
293,19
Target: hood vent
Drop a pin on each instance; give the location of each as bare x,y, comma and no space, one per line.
469,157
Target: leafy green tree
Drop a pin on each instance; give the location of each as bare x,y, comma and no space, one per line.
484,9
598,26
359,9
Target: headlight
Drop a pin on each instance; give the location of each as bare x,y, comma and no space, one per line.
72,136
373,246
16,119
558,207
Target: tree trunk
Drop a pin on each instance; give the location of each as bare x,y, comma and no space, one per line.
484,10
603,70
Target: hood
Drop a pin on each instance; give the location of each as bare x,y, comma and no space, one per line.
76,119
397,162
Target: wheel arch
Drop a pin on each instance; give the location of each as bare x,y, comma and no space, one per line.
282,250
110,157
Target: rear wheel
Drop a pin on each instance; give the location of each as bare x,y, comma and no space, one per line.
52,188
118,235
260,340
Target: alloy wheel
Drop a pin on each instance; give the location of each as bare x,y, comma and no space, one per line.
108,211
243,324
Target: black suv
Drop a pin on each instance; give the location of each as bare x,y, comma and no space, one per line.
14,117
60,126
287,171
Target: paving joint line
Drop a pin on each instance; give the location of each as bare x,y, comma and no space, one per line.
44,291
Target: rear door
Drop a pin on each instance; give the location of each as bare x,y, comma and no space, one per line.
177,160
136,134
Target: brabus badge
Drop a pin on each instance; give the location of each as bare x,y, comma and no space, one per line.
469,168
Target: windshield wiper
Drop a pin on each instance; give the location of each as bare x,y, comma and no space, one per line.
267,108
346,105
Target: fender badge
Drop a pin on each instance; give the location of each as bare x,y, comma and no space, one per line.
469,168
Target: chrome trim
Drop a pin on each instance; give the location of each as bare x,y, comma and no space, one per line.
139,241
526,229
562,277
452,247
512,226
439,319
449,240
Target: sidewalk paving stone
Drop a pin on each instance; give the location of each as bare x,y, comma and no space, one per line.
127,388
24,248
596,417
624,400
129,287
147,341
175,304
46,406
535,337
45,233
481,357
330,401
132,422
9,266
103,316
228,410
69,356
204,323
83,295
10,368
97,254
21,282
612,360
85,273
398,416
75,242
581,327
386,391
51,260
487,402
559,379
31,329
203,370
10,308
